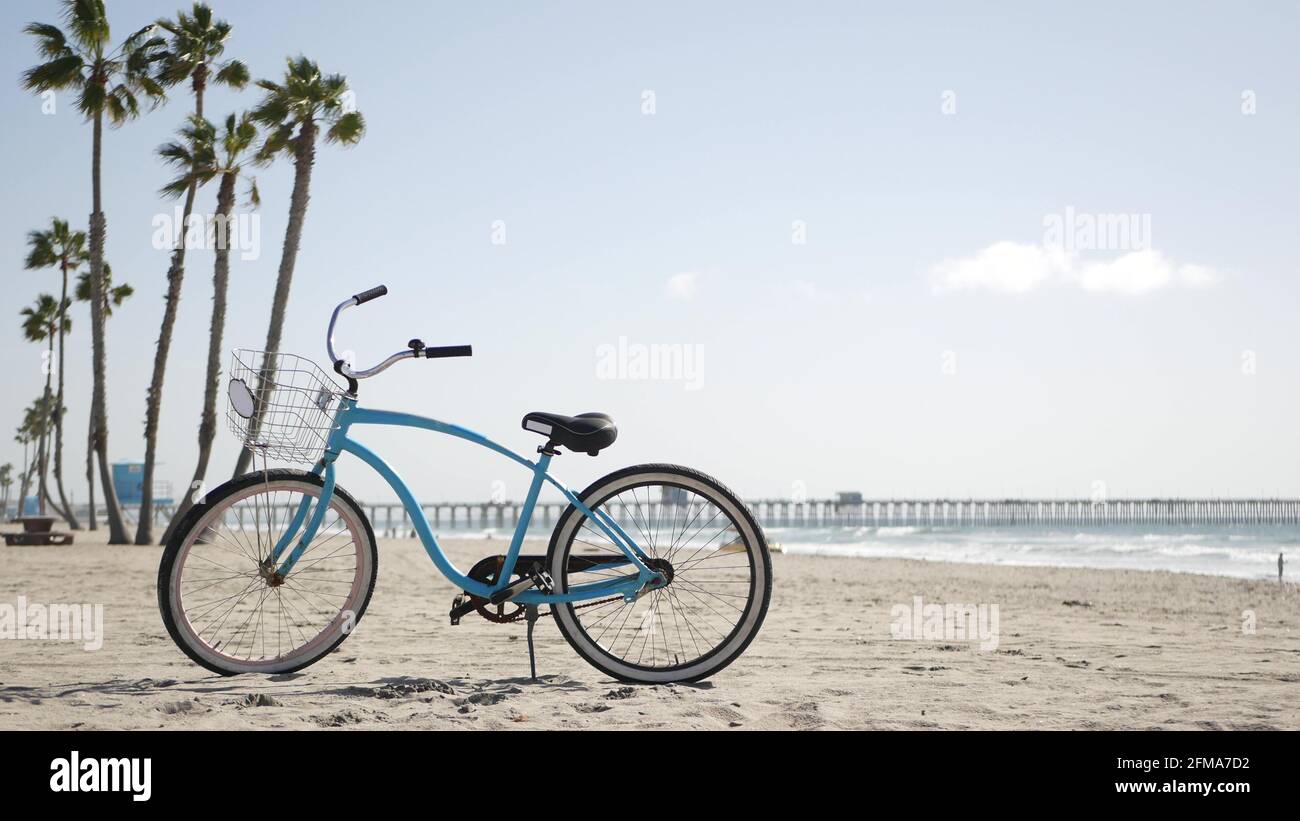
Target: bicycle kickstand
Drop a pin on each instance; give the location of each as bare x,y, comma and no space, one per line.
530,612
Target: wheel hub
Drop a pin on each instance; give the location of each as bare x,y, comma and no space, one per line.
268,573
662,567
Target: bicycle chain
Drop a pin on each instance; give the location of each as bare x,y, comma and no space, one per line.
523,612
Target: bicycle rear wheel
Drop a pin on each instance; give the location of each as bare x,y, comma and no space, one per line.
217,601
706,543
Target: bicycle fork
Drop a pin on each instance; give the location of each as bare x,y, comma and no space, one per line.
275,575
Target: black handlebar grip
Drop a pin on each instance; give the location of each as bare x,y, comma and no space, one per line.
448,350
374,293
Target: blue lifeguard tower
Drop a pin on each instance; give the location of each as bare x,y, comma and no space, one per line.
128,479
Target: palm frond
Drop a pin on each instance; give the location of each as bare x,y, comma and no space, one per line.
178,186
82,289
119,294
91,99
113,295
347,129
202,16
273,110
140,58
152,89
234,74
144,37
278,140
41,320
303,70
42,254
239,136
59,73
88,22
332,87
169,70
175,154
50,39
121,105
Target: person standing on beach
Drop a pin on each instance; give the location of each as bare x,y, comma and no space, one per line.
1279,568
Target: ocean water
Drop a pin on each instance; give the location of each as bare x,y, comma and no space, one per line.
1242,551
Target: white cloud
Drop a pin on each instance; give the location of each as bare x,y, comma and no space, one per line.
1010,267
683,286
1137,272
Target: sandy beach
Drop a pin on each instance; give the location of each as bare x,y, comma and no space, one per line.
1074,649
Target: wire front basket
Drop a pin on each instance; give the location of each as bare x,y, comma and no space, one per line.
281,406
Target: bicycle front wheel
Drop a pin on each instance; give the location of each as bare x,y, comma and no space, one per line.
223,606
702,538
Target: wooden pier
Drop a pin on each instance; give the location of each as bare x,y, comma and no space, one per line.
391,519
1026,512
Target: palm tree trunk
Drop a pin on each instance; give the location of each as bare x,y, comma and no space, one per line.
92,523
25,484
303,158
98,228
43,455
59,411
54,505
153,400
212,384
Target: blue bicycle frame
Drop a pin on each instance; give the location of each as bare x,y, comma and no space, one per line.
308,518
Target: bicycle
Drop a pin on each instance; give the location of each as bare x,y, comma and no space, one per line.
654,573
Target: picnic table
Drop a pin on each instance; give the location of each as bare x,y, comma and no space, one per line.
37,530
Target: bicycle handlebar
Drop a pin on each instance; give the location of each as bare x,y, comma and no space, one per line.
374,293
415,348
444,351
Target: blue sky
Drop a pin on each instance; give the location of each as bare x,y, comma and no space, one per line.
903,143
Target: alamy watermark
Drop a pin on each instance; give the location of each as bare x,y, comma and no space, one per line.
919,621
1072,231
34,621
669,362
210,232
126,775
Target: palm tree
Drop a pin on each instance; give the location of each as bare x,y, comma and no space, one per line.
6,482
113,296
294,113
59,246
195,44
108,83
41,324
199,157
24,438
33,430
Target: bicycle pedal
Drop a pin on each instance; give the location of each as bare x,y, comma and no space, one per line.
462,605
541,579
